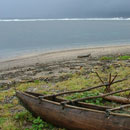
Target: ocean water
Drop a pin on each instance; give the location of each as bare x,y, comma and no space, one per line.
18,37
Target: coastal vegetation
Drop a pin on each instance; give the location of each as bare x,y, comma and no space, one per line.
124,57
18,118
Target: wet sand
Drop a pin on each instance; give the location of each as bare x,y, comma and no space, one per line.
50,57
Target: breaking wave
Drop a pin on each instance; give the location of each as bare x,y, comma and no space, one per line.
64,19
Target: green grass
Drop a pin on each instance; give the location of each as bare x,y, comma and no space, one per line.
2,120
26,117
107,58
98,101
125,57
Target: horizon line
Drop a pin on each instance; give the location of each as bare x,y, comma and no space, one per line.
63,19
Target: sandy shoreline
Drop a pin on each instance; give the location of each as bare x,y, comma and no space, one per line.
28,60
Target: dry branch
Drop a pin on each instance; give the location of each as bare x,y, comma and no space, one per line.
99,77
82,90
119,108
94,97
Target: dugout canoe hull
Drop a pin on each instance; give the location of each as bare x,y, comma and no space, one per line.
86,117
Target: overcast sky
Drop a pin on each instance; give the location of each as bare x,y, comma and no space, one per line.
64,8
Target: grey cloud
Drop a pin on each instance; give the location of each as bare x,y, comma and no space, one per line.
64,8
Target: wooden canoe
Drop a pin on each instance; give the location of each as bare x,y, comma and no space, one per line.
81,116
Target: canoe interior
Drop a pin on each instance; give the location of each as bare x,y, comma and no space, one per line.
79,104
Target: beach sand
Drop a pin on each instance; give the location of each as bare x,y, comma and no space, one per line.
50,57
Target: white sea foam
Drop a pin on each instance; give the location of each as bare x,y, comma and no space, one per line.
64,19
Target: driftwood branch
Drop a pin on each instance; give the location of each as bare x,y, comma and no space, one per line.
84,56
110,81
113,79
82,90
108,88
99,77
109,78
117,99
94,97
